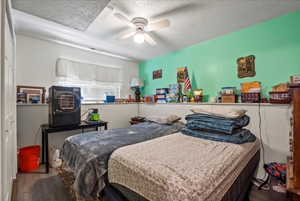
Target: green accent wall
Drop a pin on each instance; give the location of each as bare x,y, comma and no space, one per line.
212,64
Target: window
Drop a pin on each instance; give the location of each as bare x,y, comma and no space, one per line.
96,82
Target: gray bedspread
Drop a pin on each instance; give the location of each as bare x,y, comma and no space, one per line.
87,154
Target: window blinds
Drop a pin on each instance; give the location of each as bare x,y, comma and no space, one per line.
81,71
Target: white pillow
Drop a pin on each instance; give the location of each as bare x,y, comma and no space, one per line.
164,119
235,113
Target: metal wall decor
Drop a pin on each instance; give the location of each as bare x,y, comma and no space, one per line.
246,66
181,75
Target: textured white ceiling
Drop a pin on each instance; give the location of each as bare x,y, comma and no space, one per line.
77,14
192,21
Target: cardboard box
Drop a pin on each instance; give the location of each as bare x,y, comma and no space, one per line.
249,87
228,98
295,79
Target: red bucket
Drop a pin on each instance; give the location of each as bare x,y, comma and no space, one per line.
29,158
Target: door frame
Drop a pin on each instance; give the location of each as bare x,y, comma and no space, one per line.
1,62
6,12
13,37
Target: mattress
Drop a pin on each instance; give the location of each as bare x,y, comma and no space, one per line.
238,191
179,167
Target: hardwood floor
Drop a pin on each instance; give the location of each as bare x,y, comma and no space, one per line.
260,195
49,187
41,187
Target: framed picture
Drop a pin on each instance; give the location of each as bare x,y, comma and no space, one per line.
181,75
32,90
157,74
34,98
246,66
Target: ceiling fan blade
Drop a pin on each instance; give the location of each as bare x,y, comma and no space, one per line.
158,25
127,34
149,39
122,18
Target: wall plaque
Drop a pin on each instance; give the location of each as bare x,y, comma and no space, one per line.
246,66
157,74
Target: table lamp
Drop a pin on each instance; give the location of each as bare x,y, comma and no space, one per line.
136,84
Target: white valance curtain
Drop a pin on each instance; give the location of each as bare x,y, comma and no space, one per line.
95,81
81,71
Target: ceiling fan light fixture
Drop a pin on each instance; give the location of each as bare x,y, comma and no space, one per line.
139,38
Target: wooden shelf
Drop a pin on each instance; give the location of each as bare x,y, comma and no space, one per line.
290,179
293,166
294,85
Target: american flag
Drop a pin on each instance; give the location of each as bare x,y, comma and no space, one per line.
187,82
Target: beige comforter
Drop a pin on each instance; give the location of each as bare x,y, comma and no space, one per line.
178,167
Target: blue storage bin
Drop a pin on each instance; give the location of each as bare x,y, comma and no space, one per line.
110,99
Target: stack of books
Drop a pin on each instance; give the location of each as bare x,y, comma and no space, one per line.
173,93
161,95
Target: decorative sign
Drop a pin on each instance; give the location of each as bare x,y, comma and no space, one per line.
246,66
181,75
157,74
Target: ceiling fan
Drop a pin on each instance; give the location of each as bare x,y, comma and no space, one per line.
141,28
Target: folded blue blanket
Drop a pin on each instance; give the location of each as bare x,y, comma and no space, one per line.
216,123
241,136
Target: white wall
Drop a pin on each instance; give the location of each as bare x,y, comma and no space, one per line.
275,123
30,117
36,61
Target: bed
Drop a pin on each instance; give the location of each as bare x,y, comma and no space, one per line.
86,155
179,167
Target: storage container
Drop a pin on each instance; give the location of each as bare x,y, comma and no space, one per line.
110,99
280,97
250,97
29,158
162,91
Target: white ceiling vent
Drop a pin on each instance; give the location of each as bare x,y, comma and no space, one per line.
78,14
